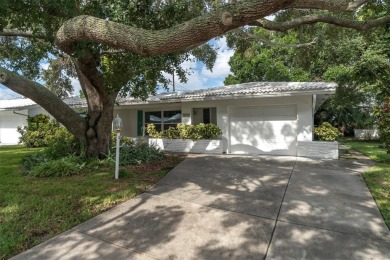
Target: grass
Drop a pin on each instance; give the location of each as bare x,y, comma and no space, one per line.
33,210
377,178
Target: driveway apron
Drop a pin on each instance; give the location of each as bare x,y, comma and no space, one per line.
237,207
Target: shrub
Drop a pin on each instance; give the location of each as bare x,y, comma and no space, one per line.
29,162
171,133
208,131
123,139
140,153
41,132
326,132
66,166
188,132
183,131
152,132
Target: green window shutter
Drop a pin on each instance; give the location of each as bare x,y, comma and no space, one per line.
140,122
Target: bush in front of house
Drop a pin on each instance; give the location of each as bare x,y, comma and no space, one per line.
122,139
183,131
43,132
326,132
140,152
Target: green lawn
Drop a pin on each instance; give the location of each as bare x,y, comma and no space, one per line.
33,210
377,177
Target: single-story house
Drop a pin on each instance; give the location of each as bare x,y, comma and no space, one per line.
273,118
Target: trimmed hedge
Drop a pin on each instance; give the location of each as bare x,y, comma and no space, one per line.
183,131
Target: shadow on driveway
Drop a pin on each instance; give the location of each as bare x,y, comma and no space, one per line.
237,207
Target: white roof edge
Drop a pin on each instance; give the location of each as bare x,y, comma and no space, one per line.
243,90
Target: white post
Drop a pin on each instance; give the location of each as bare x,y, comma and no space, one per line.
117,155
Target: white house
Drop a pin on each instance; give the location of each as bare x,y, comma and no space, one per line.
273,118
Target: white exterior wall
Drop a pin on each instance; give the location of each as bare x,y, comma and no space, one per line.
37,110
8,126
366,133
188,146
303,103
129,120
317,149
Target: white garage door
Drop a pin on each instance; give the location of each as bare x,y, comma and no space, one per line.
8,125
263,130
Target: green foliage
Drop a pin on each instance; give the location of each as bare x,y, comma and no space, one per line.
326,132
171,133
33,210
187,132
358,62
66,166
152,132
383,114
140,152
123,140
183,131
41,132
125,71
377,178
264,63
30,161
208,131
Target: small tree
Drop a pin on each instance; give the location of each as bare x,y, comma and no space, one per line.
383,114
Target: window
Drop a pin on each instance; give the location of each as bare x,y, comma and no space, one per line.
171,118
205,115
163,119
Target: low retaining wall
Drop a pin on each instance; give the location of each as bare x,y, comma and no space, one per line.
188,146
318,149
366,134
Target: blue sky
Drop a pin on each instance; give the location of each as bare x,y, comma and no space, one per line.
200,77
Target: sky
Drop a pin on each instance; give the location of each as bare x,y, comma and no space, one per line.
200,77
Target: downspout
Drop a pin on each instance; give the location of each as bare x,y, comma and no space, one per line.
19,113
312,113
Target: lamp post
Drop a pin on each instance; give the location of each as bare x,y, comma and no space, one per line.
117,125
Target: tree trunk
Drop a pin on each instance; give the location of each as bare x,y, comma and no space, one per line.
98,134
100,107
94,131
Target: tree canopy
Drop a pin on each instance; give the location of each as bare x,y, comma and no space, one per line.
122,47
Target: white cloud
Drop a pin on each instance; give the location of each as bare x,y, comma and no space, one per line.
76,86
6,93
201,77
221,67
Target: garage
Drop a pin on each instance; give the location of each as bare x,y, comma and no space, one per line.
263,130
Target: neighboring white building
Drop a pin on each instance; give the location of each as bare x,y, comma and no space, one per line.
255,118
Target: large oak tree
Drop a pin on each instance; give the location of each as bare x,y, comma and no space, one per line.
121,47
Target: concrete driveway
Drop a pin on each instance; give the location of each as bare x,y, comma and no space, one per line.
236,207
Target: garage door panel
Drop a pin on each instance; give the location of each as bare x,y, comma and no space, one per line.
258,135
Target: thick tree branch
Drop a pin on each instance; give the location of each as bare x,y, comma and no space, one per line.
198,30
47,99
324,18
17,33
161,42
